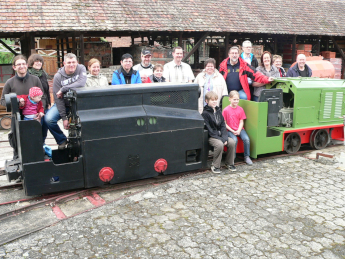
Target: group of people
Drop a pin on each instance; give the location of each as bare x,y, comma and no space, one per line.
239,75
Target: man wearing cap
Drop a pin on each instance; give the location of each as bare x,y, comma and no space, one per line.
126,74
177,71
145,68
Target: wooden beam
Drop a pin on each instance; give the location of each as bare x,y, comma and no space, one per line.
318,45
58,53
196,55
82,53
74,45
68,50
180,39
62,50
67,35
151,40
341,52
226,43
7,47
196,46
293,54
32,43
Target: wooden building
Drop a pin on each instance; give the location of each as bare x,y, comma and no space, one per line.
272,23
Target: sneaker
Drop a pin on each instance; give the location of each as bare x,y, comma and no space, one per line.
231,167
248,160
62,145
19,180
215,170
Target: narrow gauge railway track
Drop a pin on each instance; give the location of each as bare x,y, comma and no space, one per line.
55,201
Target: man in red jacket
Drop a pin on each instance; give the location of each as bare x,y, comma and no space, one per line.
236,73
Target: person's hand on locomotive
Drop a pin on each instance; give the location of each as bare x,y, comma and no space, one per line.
59,94
66,124
271,79
39,116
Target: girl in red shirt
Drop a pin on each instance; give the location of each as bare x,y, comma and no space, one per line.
234,116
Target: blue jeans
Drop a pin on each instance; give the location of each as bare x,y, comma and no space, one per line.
50,122
245,139
255,98
243,95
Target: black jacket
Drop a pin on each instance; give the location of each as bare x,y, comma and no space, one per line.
255,62
293,71
214,123
154,79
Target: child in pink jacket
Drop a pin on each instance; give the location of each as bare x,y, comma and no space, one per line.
31,105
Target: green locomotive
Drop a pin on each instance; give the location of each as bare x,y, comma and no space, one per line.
292,112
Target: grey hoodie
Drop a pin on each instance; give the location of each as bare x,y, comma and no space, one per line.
64,82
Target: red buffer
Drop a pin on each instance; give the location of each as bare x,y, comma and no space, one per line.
106,174
161,165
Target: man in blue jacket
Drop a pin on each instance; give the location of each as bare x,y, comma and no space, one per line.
125,74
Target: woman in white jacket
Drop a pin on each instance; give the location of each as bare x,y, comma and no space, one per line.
94,78
210,80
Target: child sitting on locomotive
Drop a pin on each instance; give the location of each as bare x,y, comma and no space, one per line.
31,105
32,109
234,116
218,137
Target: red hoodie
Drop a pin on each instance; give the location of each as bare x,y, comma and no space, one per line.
245,72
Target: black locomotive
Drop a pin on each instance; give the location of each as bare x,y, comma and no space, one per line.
117,134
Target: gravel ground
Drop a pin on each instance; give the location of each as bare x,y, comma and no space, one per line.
289,207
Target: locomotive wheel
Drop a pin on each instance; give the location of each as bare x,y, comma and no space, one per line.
311,139
320,139
5,122
292,143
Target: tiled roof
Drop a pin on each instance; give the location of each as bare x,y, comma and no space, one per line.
301,17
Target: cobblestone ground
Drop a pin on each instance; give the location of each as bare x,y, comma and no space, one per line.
281,208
